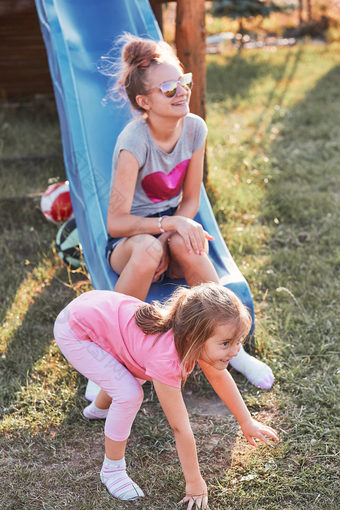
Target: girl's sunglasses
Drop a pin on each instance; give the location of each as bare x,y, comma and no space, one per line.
169,88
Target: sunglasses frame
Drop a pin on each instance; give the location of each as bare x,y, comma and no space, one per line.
173,91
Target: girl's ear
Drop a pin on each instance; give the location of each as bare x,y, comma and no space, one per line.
143,102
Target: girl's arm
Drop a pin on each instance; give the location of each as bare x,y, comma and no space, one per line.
226,389
192,185
174,408
192,232
120,223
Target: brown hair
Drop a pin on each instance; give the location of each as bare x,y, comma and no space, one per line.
193,314
130,71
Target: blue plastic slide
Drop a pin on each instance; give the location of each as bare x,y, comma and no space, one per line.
77,34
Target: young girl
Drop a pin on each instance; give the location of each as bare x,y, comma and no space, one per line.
156,181
118,342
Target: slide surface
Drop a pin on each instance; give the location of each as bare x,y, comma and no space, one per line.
77,34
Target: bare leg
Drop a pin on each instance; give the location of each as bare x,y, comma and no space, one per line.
103,401
196,269
114,450
136,260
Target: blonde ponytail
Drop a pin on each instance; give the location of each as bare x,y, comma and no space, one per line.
157,318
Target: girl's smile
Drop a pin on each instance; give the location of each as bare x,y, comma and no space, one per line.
220,348
160,104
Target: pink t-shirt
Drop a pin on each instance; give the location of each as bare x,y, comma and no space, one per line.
107,318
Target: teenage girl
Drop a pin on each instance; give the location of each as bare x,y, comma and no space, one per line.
156,181
118,342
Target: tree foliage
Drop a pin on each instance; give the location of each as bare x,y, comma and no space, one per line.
244,8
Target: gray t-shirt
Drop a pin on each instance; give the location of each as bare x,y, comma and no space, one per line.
161,174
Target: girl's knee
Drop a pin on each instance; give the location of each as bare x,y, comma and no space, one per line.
147,251
177,245
143,252
131,396
179,250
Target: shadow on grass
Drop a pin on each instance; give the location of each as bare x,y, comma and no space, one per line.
234,79
26,241
306,155
231,83
286,72
29,342
31,293
303,280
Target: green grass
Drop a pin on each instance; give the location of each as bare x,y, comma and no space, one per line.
274,157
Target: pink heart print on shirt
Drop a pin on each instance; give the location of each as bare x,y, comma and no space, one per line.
159,186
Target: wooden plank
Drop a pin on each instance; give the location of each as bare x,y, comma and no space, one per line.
23,61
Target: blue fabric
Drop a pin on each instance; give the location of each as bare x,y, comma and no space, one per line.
77,34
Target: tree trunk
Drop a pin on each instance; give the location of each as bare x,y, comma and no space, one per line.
300,12
309,10
191,48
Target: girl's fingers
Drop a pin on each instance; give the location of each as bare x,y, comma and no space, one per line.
193,242
251,441
195,501
199,240
262,438
271,433
190,504
196,238
265,431
189,500
208,236
187,243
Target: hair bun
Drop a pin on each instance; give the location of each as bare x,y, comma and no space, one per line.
140,52
128,70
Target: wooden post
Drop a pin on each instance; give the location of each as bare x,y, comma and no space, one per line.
156,6
300,13
191,48
309,11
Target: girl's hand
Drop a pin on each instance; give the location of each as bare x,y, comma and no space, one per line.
193,234
254,429
196,495
164,262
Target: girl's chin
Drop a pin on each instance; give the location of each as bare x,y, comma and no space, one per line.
181,109
225,363
218,364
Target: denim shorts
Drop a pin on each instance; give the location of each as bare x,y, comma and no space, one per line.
113,241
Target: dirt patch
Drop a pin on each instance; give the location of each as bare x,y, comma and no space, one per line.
204,405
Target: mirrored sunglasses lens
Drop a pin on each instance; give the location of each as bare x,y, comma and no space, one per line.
186,81
169,88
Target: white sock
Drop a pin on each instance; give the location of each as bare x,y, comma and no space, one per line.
92,412
118,483
257,372
92,390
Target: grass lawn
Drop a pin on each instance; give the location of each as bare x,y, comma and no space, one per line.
274,180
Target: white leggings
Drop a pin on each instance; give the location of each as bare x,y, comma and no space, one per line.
111,376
